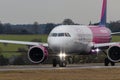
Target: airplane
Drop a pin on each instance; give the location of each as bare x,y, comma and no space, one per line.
66,40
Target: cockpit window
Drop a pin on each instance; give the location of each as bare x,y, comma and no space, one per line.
67,34
60,35
54,34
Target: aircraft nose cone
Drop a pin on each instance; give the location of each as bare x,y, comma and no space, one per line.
56,44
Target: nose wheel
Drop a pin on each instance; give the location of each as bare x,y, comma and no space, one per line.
62,61
55,62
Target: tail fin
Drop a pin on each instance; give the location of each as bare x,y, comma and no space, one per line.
103,14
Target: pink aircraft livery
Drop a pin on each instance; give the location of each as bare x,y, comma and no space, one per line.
67,40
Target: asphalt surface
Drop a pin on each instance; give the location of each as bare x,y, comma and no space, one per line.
49,67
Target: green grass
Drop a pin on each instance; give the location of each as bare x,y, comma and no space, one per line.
9,47
116,38
43,38
14,47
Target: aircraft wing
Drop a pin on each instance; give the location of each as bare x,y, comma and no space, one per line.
23,42
100,45
115,33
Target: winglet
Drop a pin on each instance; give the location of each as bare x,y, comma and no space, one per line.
103,14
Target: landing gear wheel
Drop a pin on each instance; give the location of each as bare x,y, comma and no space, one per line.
54,62
62,63
112,63
107,61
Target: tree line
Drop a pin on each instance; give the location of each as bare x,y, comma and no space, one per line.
34,28
37,28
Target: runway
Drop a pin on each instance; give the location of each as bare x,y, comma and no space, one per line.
49,67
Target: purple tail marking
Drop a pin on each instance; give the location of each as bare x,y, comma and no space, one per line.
103,14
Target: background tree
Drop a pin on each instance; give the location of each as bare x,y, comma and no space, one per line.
35,27
68,22
7,28
115,26
1,27
49,27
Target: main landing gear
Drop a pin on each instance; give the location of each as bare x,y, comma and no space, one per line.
61,60
107,61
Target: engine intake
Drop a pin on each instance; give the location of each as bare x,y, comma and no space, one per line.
37,54
114,53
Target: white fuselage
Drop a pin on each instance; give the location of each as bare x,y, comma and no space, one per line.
77,38
70,39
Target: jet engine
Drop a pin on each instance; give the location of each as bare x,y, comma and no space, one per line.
37,54
114,53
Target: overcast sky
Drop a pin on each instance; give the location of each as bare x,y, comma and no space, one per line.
45,11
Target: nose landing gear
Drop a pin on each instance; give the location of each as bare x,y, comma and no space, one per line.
61,60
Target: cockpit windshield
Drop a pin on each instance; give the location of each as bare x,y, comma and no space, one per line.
54,34
60,35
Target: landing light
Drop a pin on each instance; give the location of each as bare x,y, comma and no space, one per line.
97,50
93,50
62,55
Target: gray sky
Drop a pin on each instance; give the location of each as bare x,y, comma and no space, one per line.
44,11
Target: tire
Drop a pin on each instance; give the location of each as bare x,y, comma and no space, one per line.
112,63
106,62
54,62
62,63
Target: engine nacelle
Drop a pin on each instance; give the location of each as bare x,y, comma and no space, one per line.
114,53
37,54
